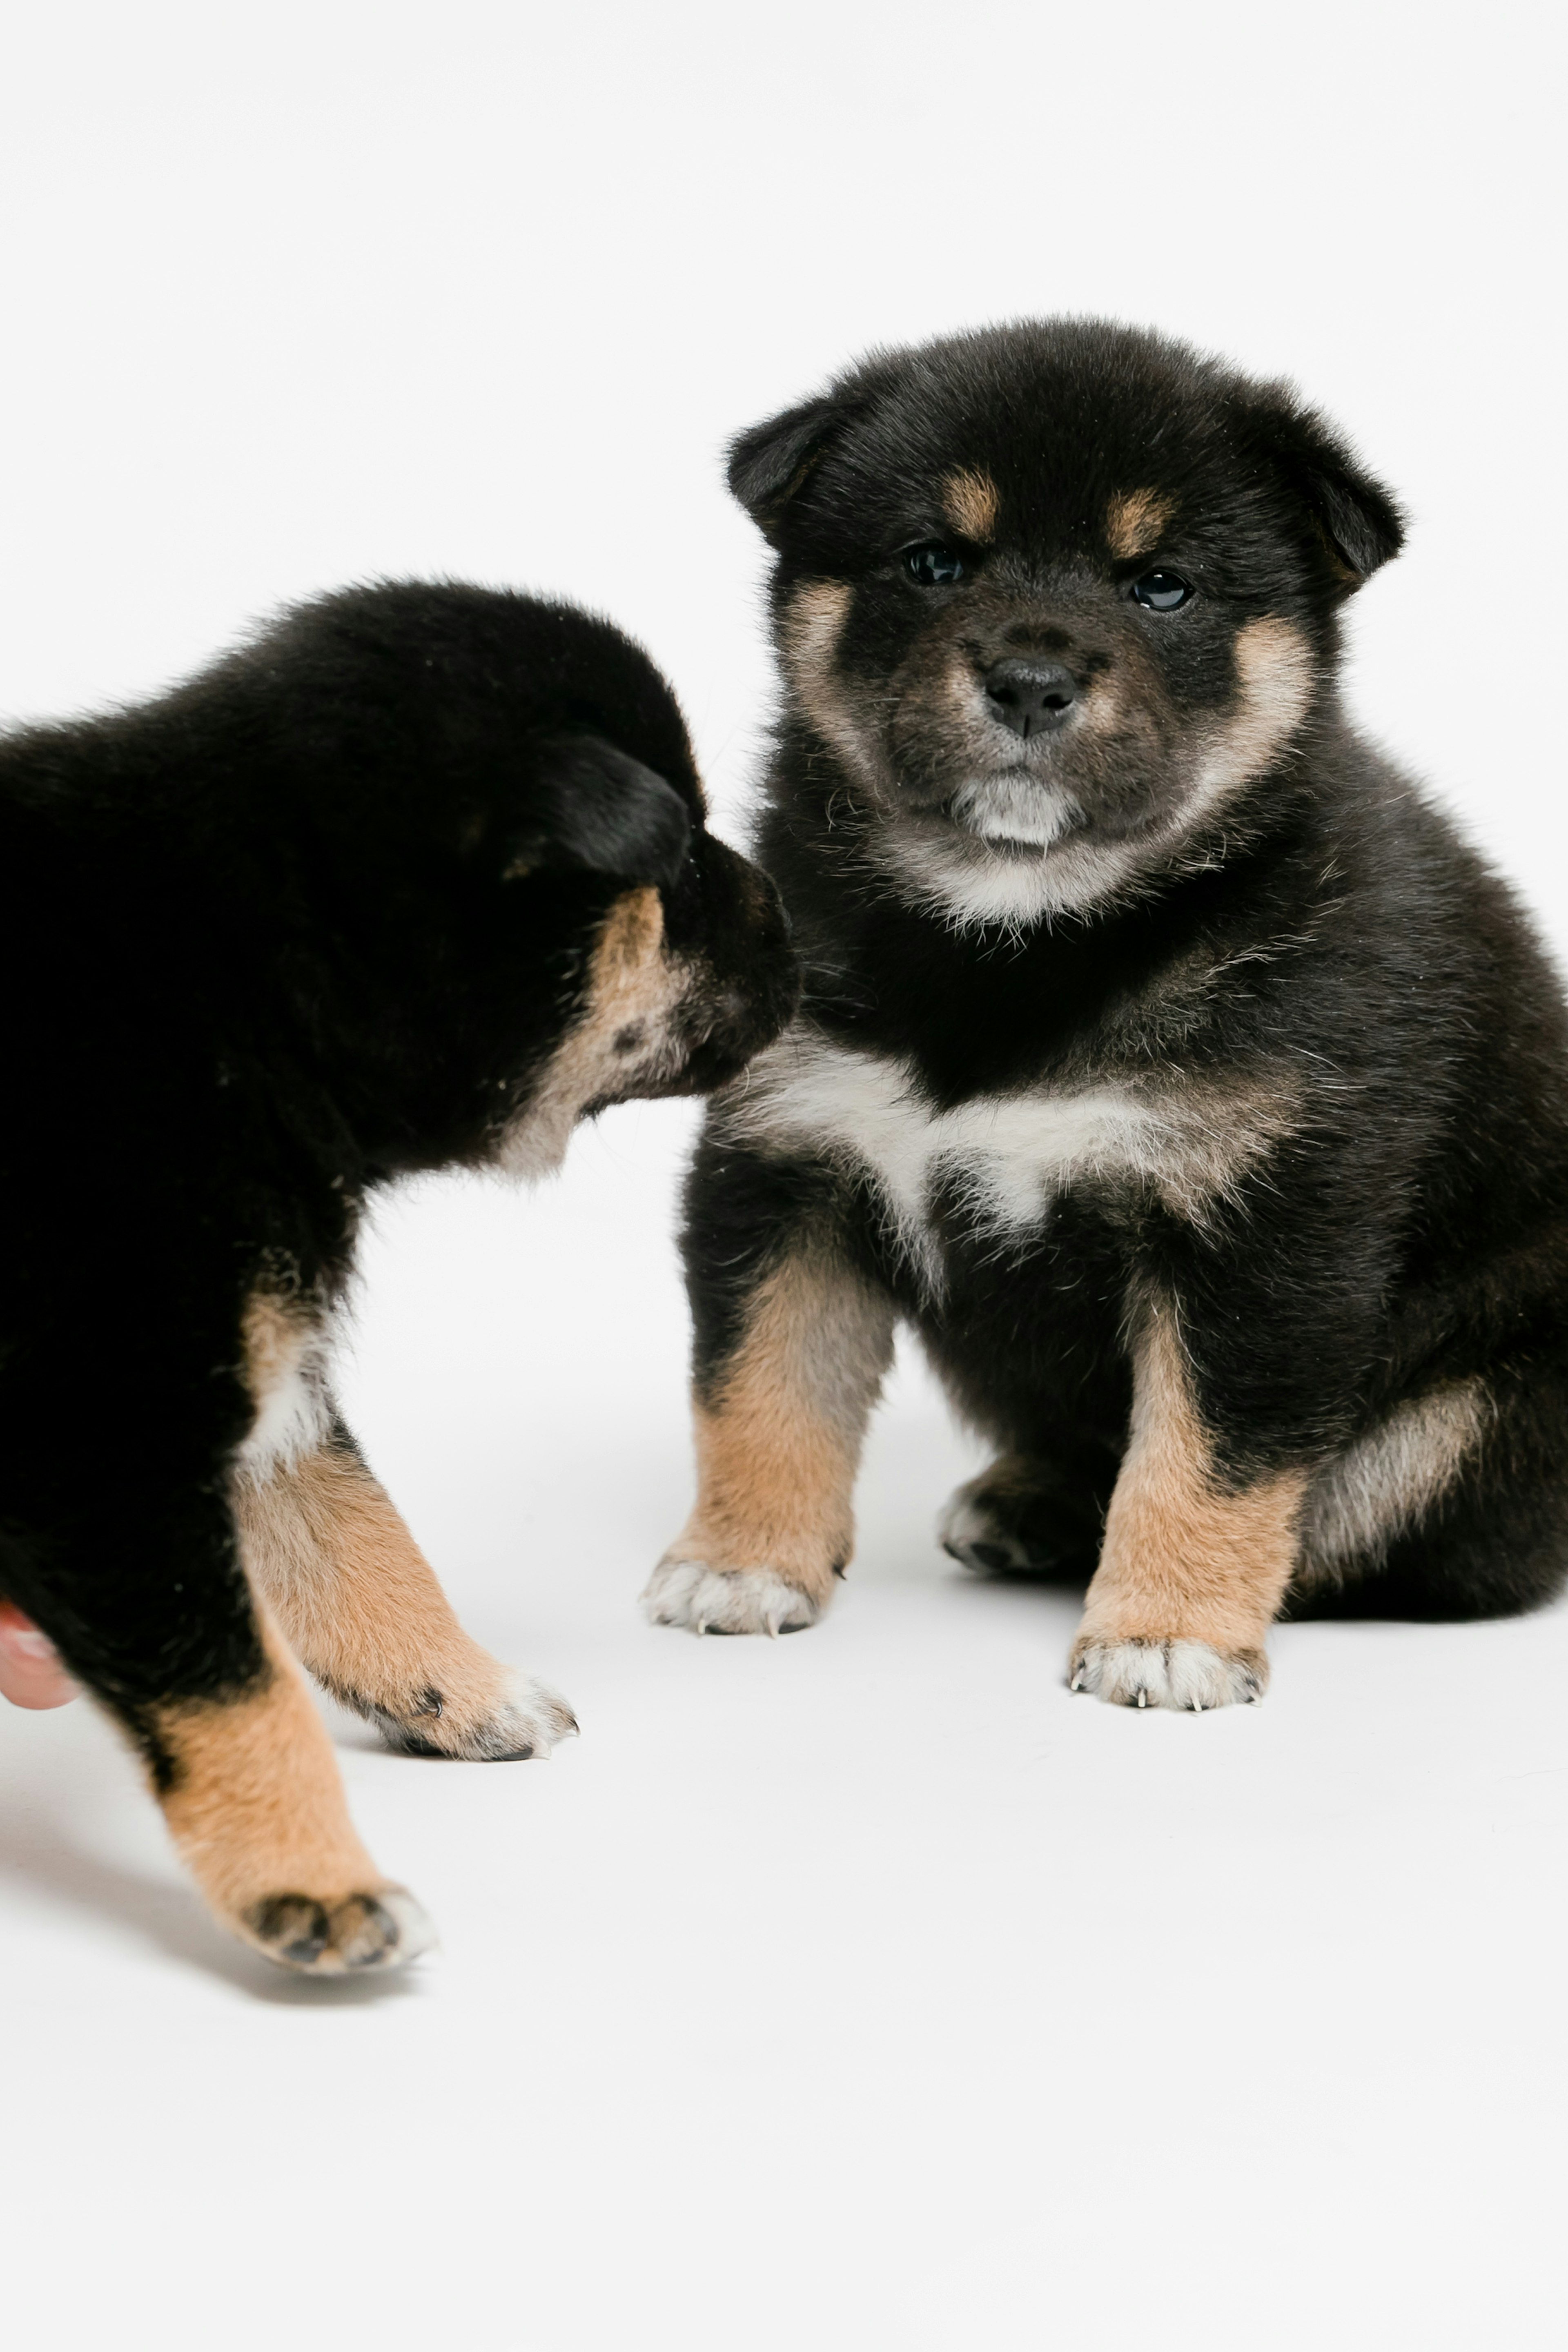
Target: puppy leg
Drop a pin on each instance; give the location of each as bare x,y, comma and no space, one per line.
780,1418
151,1612
1029,1514
250,1790
361,1606
1192,1570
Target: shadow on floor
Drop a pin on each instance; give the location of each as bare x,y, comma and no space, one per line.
44,1856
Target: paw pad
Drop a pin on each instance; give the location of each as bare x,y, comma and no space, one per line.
382,1930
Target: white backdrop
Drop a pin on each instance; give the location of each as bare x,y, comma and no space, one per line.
861,1990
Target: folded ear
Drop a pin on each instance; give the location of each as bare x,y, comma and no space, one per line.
768,463
1359,520
599,808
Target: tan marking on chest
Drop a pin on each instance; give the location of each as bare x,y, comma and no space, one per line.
284,1365
1189,1140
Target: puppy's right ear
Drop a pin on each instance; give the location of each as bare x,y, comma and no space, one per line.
596,807
768,463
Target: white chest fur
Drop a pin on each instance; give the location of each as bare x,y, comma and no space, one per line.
1004,1156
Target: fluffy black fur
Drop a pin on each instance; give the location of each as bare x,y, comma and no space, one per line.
321,917
1306,942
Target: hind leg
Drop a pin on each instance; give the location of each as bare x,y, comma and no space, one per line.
361,1606
1031,1513
1453,1506
151,1610
250,1790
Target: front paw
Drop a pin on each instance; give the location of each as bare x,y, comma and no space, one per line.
727,1600
524,1718
381,1930
1185,1674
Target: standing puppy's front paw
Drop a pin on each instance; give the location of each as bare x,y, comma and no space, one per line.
382,1930
727,1600
523,1718
1187,1675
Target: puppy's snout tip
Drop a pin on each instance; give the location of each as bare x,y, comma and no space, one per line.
1030,697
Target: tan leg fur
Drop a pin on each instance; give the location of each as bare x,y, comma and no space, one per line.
360,1605
1192,1574
778,1444
253,1799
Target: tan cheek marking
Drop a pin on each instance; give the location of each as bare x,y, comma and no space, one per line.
1135,522
812,626
631,981
1274,672
969,501
355,1596
779,1442
1101,708
1186,1559
255,1802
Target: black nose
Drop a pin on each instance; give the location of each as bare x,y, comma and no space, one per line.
1029,696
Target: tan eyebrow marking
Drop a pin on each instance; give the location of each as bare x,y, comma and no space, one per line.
969,501
1134,520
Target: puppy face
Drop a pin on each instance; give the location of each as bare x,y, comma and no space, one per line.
1057,598
501,833
680,986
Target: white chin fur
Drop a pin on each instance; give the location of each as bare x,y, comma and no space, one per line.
968,880
1016,808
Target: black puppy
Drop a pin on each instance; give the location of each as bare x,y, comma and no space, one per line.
418,878
1166,1058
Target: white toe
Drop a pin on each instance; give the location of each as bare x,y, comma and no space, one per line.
725,1601
1188,1675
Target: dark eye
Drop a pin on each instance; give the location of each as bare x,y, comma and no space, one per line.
1161,592
933,565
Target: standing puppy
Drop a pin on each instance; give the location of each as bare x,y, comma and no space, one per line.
1166,1058
416,879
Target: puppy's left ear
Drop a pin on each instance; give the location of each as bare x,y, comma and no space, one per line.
1359,519
596,808
769,462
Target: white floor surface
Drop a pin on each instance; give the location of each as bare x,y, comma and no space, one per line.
861,1988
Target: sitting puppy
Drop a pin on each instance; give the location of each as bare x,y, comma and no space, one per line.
416,879
1166,1058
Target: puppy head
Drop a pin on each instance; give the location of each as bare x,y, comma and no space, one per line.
504,827
1058,597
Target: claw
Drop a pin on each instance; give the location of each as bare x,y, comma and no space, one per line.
1197,1707
1142,1700
1076,1682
